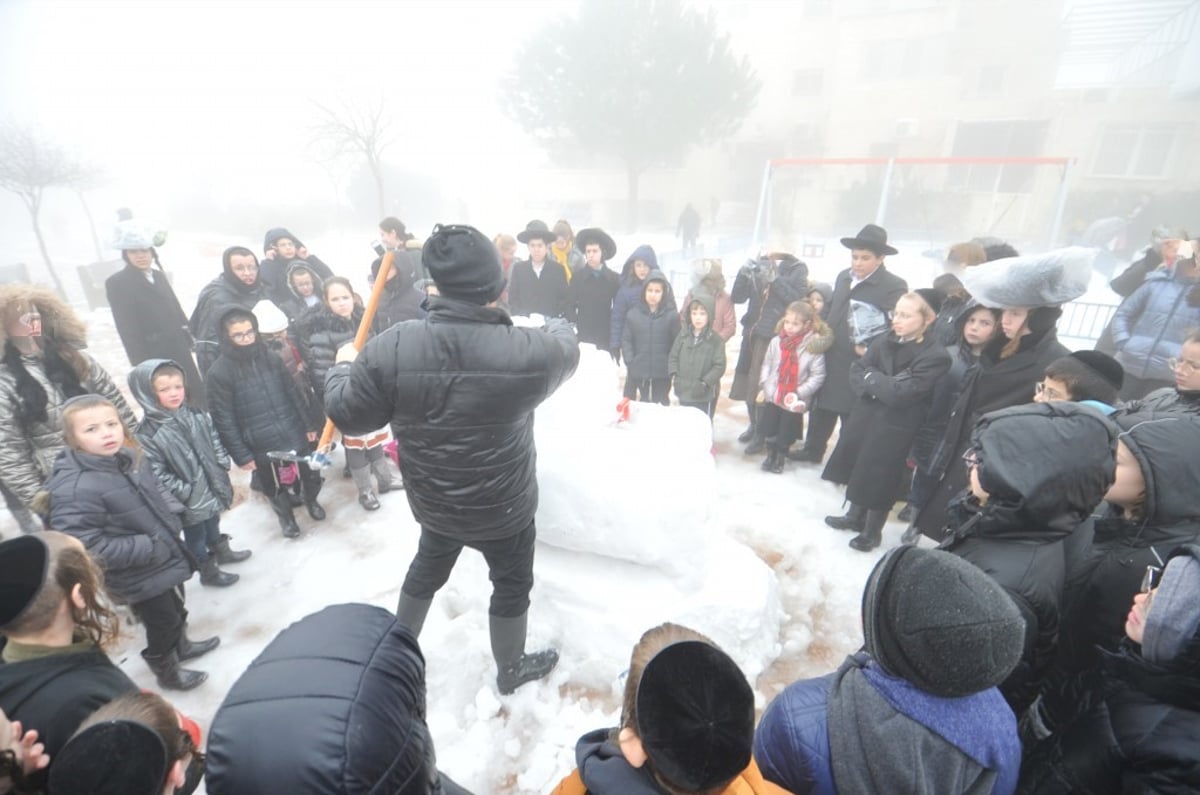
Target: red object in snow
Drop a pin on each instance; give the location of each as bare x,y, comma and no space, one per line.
623,410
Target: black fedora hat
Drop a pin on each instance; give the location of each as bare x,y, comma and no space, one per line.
537,230
871,238
608,247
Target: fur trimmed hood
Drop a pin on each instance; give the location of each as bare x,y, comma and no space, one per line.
821,339
59,321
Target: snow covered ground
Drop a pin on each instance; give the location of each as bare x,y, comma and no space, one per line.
640,523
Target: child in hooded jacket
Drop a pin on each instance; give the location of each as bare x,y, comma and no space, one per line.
793,369
697,359
186,455
646,341
104,492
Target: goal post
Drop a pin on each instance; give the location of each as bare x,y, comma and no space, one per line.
939,198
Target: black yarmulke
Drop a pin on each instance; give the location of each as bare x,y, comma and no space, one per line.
695,715
120,757
1105,366
23,564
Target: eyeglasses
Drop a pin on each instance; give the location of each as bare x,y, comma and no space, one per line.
1050,393
243,336
1183,366
971,458
1150,579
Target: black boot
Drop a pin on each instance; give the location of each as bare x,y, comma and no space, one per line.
774,461
312,488
853,520
872,532
170,676
211,575
188,649
225,555
515,667
906,513
411,612
748,434
362,481
912,534
757,444
283,512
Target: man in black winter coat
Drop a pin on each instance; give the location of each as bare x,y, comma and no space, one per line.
590,295
459,389
864,296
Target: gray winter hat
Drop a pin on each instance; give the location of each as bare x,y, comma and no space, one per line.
1174,614
940,623
1049,279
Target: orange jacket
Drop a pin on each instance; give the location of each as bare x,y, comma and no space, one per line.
749,782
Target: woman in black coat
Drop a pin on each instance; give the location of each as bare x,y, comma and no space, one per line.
320,332
1135,729
893,383
1009,370
149,319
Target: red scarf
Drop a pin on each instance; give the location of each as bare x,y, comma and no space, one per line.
789,365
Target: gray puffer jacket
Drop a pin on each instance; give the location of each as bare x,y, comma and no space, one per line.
28,450
116,507
183,449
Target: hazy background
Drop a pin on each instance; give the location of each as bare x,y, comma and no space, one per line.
200,114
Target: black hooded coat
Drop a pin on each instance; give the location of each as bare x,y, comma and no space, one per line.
219,296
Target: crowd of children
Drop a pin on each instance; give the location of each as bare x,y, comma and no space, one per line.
1070,505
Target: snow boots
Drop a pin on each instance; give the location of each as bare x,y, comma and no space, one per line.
211,575
872,533
169,675
187,649
514,666
282,505
362,481
310,500
748,434
411,612
906,513
225,555
912,534
853,520
774,460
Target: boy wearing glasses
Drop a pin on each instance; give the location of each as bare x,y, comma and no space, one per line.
1083,376
1185,395
257,408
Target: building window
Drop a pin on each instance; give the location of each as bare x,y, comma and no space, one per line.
1134,150
1017,138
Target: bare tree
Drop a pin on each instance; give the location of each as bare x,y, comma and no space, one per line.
29,164
360,130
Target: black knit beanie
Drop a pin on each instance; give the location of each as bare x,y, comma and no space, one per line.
24,562
940,623
463,263
120,757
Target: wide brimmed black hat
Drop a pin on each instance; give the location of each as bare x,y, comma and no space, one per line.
608,247
537,230
871,238
695,715
23,564
119,757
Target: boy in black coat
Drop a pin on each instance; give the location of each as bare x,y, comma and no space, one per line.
590,295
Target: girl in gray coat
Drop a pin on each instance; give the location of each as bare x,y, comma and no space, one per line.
186,455
103,492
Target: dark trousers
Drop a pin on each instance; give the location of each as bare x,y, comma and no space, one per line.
821,423
202,536
509,560
649,390
268,477
704,406
1138,388
779,426
163,617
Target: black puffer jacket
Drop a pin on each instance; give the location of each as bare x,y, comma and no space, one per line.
790,284
647,337
459,389
255,405
1136,729
319,334
115,506
222,294
1045,466
893,383
335,705
995,384
273,270
296,305
400,299
55,692
183,448
1110,573
1170,399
